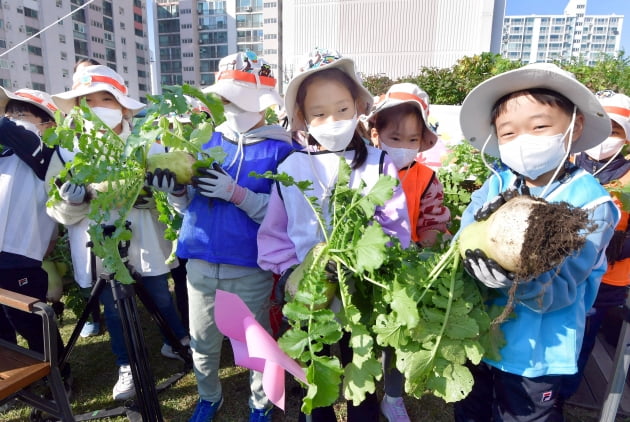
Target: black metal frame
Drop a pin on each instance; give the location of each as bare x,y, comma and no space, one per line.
146,406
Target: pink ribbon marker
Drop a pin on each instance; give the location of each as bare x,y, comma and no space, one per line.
253,346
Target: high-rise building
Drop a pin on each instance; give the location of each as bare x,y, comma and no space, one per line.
113,32
392,37
191,36
572,35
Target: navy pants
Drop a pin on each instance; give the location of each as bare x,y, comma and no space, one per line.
500,396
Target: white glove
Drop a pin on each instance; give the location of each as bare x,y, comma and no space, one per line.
72,193
487,270
164,180
218,184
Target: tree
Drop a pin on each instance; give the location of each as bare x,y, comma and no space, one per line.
451,85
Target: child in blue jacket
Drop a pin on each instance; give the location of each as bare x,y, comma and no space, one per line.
533,118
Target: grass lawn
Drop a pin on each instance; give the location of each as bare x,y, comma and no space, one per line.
95,374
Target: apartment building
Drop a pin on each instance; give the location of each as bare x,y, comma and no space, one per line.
574,34
113,32
191,36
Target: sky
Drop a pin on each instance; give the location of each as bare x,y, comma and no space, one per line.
593,7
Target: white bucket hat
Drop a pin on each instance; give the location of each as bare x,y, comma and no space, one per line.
245,80
39,99
406,93
617,106
90,79
344,64
475,112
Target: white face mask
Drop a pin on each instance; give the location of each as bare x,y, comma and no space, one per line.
112,117
532,155
401,157
606,149
28,126
334,136
239,120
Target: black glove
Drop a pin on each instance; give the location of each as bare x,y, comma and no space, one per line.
486,270
615,246
281,284
494,204
164,180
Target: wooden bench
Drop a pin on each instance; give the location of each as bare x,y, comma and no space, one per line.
21,367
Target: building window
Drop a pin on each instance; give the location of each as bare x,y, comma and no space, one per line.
30,30
30,13
35,50
39,86
37,69
62,39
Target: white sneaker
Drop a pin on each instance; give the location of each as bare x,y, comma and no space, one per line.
167,350
124,388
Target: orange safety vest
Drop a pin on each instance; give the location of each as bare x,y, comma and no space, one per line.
415,181
618,273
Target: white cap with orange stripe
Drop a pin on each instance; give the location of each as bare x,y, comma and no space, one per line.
248,84
90,79
617,106
39,99
406,93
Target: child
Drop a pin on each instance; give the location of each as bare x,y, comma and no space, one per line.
533,118
326,101
607,163
399,126
221,220
25,229
105,93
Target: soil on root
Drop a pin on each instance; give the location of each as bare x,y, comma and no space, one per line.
555,231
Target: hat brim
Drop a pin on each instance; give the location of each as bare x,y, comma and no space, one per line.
429,133
344,64
245,95
67,100
5,96
476,108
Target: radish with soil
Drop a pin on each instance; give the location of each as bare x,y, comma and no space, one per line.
418,303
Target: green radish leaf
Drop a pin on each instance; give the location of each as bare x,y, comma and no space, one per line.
324,377
453,383
405,307
370,248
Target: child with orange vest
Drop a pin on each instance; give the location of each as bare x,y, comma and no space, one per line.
398,124
607,163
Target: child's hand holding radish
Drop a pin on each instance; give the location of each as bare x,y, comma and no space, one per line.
486,270
165,180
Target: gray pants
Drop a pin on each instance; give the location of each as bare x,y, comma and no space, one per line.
206,340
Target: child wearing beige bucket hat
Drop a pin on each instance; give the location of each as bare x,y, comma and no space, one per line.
533,118
26,231
607,163
221,217
106,94
326,101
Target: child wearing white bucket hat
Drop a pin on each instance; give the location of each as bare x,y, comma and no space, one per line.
26,231
399,125
222,214
326,100
106,94
607,163
533,118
